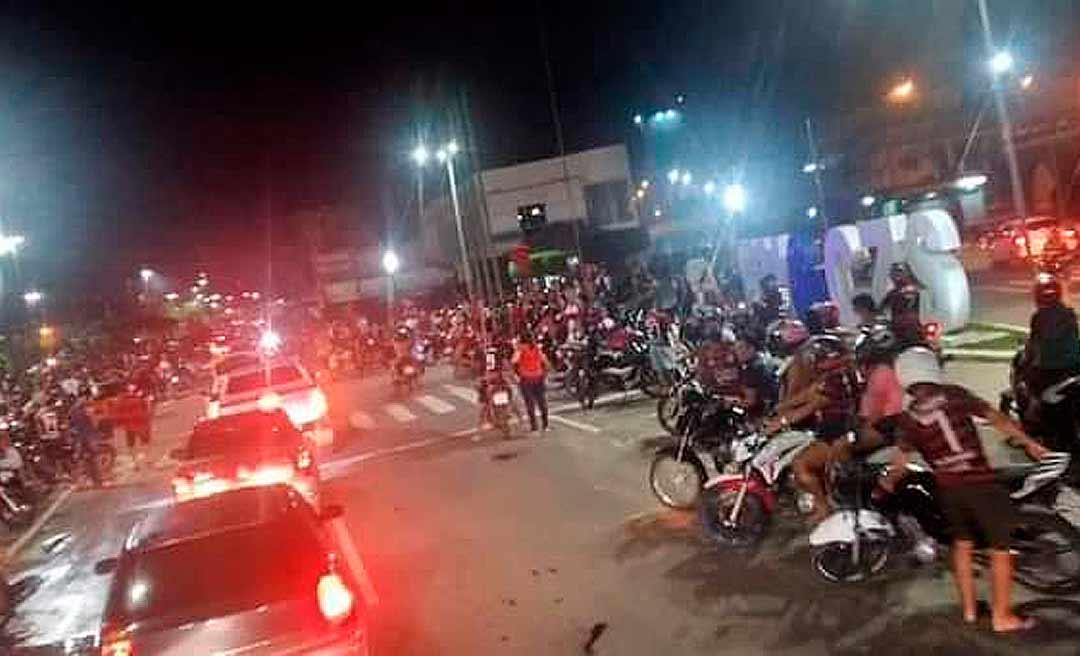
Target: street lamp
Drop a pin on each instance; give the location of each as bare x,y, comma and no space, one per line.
687,178
420,155
673,176
33,297
1027,81
1001,62
735,198
709,187
146,275
903,91
9,244
390,264
811,212
638,119
868,201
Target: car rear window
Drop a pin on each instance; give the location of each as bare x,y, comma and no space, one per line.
245,433
221,573
250,382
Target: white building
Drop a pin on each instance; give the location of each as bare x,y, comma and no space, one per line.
589,195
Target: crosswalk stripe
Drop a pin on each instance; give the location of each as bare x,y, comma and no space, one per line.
399,412
435,404
463,393
361,420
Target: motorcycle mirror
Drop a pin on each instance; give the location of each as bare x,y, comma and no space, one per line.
106,566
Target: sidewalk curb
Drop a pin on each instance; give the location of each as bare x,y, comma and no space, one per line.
17,546
980,355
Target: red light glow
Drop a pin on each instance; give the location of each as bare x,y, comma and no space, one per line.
335,598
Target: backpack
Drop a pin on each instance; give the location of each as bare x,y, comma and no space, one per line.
531,362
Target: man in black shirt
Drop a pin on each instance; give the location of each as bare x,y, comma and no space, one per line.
757,383
1052,355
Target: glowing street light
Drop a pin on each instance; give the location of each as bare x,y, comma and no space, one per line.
970,182
420,155
640,193
269,341
709,187
811,167
638,119
390,262
9,244
903,91
673,176
735,198
1027,81
811,212
687,178
1002,62
33,297
645,183
868,201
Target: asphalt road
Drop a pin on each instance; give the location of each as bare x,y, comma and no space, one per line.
534,545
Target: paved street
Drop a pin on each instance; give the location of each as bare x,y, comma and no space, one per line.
477,545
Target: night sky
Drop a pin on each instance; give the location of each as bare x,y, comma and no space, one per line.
135,134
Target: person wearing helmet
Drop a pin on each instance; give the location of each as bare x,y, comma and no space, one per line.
902,304
882,396
826,404
1053,350
770,304
937,423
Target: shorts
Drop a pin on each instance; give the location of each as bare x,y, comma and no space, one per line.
979,512
133,435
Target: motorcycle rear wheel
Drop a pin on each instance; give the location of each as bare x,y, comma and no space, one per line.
676,483
747,531
834,562
1041,541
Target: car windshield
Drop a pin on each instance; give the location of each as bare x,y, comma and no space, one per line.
248,432
222,573
254,380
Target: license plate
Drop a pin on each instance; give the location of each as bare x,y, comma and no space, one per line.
500,398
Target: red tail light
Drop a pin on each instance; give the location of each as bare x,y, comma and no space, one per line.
932,330
1069,232
304,460
335,598
1019,241
117,645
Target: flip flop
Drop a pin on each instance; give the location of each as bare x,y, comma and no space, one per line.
1026,624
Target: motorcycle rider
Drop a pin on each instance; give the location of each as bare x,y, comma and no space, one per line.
756,382
402,346
938,424
902,303
827,406
1052,353
770,303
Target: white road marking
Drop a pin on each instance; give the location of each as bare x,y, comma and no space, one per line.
582,426
603,399
463,393
38,523
435,404
361,420
355,563
399,412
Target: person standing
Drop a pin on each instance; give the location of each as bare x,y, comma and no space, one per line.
937,423
532,366
131,411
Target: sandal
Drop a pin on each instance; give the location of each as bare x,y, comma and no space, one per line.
1026,624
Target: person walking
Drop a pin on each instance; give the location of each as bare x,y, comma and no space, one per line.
532,366
131,411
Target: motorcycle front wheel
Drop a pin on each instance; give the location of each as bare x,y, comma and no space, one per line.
676,483
667,412
1047,551
836,561
747,530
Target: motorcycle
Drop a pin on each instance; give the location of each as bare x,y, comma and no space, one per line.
858,540
498,401
407,375
735,509
1058,415
624,370
678,472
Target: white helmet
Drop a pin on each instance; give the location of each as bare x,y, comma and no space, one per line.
918,364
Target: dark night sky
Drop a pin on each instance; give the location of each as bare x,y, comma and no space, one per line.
143,131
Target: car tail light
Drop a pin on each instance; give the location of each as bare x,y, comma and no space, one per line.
304,459
1069,232
269,402
335,598
117,645
1019,241
932,331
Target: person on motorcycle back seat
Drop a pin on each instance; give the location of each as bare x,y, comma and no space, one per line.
902,304
882,396
826,406
402,346
770,304
1051,355
757,383
938,424
866,311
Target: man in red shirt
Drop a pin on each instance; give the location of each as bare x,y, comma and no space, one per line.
131,412
938,424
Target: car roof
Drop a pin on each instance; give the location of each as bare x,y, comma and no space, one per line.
225,511
233,422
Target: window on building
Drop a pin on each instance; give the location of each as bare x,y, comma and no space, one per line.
606,203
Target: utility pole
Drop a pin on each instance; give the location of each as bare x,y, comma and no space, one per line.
1019,200
819,186
466,270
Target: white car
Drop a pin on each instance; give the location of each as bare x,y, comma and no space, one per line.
273,384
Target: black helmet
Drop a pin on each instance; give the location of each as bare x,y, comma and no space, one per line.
1048,290
876,345
900,272
827,353
822,316
785,336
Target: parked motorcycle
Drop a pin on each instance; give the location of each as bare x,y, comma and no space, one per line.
863,535
735,509
499,398
678,472
624,370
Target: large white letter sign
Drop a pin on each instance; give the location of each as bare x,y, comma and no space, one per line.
926,240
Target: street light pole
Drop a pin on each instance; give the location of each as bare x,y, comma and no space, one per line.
390,265
447,155
1019,201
